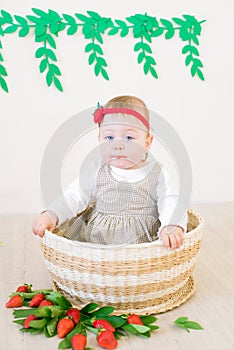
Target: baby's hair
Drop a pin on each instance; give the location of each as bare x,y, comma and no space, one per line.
131,102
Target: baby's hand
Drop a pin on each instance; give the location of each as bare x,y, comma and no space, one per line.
45,221
172,236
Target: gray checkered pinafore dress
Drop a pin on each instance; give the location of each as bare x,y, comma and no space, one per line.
123,212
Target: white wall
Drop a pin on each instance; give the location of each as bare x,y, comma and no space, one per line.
201,112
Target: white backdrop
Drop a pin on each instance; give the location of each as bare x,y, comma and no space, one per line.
200,112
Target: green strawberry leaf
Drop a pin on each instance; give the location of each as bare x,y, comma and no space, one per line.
186,324
23,313
89,308
38,323
115,321
57,311
148,319
152,327
129,328
140,329
103,311
46,332
20,321
92,329
44,311
193,325
118,334
33,331
181,325
181,319
52,327
145,335
61,300
65,344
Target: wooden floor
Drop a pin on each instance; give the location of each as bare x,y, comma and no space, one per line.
212,305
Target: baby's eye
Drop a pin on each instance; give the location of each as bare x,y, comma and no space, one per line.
109,138
128,138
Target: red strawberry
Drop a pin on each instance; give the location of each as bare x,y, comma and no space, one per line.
45,303
134,319
79,341
104,324
106,339
25,288
36,300
65,326
15,301
28,320
74,314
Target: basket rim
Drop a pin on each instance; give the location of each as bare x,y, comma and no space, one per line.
157,243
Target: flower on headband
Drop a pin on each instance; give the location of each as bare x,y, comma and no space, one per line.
98,114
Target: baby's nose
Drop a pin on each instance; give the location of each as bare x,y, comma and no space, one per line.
119,145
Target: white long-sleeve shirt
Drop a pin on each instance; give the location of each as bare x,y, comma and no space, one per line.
79,193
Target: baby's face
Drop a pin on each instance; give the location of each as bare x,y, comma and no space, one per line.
124,146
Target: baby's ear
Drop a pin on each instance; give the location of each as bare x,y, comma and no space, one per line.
149,140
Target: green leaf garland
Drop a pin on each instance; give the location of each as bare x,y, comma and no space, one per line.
46,26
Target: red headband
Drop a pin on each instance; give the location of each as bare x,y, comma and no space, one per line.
101,111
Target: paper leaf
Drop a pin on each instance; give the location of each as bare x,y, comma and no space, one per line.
3,84
58,84
7,16
3,70
104,74
200,74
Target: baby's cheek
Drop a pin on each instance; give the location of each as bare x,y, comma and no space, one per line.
105,149
135,150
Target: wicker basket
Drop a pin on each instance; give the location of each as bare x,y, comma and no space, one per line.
142,278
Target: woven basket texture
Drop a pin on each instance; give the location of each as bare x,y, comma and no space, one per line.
142,278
